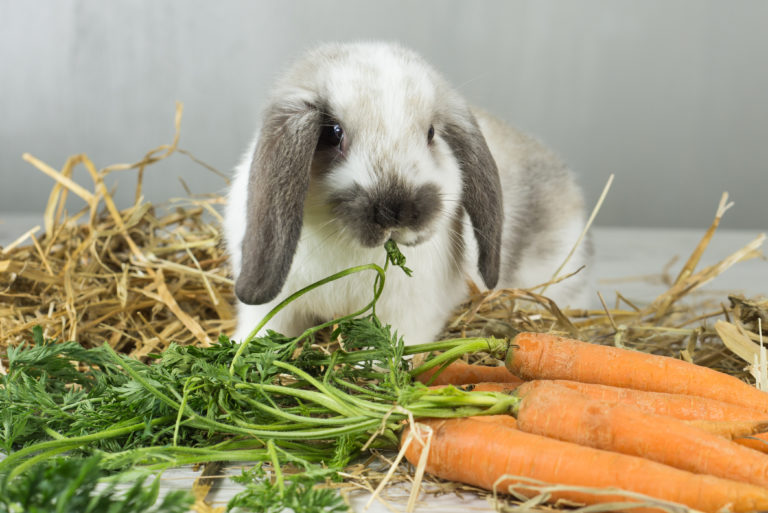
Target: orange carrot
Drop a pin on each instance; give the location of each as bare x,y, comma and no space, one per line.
680,406
730,429
542,356
504,420
479,453
504,388
716,417
460,372
758,442
558,412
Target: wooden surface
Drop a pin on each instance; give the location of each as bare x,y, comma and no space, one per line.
627,260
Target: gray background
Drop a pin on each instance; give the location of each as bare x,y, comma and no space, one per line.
671,96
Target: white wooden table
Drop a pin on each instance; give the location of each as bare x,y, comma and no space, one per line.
628,260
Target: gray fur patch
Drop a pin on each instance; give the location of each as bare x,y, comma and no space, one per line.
481,194
277,187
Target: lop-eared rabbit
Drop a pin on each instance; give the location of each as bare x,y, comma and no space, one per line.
365,142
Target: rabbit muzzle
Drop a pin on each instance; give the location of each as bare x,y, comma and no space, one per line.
388,209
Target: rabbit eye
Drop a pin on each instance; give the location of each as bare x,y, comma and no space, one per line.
331,134
430,134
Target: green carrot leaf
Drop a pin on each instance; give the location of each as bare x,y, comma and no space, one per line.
395,257
69,485
301,494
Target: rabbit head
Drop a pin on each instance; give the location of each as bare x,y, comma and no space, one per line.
370,138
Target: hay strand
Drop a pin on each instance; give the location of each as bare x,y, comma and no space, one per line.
583,233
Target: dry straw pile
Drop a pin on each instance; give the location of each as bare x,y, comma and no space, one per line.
135,277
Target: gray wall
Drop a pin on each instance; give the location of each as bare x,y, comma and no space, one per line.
672,96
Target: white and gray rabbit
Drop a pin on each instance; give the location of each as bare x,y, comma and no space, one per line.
364,142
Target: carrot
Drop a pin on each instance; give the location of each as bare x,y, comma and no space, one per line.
504,388
503,420
479,453
460,372
558,412
680,406
757,442
716,417
730,429
542,356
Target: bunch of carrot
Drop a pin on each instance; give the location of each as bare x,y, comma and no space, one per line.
597,416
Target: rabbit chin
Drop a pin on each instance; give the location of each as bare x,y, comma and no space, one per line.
374,238
407,237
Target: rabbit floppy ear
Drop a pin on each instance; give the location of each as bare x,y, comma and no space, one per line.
481,194
277,187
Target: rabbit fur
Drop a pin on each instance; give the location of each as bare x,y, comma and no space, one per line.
363,142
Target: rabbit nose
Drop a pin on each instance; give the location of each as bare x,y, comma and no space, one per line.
396,214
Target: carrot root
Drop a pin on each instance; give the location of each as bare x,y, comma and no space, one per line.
730,429
542,356
502,420
480,453
504,388
625,429
680,406
460,372
757,442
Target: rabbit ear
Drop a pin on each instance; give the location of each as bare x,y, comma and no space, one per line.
277,187
481,195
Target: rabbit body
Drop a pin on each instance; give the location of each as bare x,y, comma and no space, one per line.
365,142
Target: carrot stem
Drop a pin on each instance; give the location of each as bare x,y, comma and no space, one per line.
470,345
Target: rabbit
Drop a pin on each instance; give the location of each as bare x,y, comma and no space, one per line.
365,142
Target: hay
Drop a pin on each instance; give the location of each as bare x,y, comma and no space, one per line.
668,325
136,278
143,276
